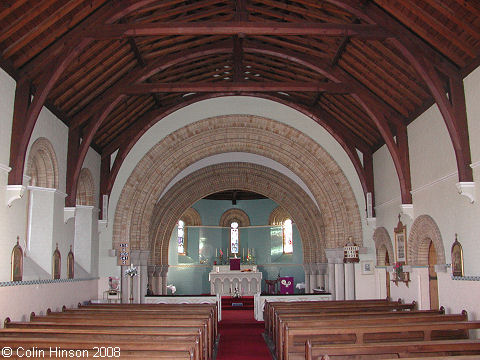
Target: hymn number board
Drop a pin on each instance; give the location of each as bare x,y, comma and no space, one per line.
124,256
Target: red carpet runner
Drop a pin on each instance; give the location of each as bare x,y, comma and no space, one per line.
241,337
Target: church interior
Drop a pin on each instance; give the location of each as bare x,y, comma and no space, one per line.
292,155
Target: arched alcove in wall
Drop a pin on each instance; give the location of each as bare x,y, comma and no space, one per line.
383,245
42,166
237,133
191,217
225,176
236,215
424,230
278,216
85,188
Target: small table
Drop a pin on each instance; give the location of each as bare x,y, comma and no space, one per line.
271,286
111,296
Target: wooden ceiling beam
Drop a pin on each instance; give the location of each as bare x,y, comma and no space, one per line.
121,31
226,86
451,107
372,14
129,137
110,12
143,73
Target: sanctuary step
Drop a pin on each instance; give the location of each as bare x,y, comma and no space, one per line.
242,303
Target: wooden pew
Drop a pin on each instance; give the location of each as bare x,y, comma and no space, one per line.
360,334
134,317
276,310
269,305
114,322
92,345
393,350
339,319
317,309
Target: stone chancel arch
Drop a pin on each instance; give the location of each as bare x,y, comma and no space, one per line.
237,133
241,176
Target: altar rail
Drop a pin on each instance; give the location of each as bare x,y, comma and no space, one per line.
261,299
187,300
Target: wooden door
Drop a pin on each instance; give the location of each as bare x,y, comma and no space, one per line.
432,275
387,263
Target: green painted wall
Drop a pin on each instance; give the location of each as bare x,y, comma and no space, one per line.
189,273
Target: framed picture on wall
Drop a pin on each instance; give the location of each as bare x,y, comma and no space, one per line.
457,258
400,233
367,267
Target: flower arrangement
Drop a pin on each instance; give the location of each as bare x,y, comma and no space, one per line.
398,268
131,271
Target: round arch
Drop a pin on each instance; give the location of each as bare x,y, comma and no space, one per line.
191,217
237,215
236,133
86,188
42,165
278,216
424,230
383,245
243,176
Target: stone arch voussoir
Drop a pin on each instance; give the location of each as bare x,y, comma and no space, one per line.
42,165
424,229
383,245
234,215
242,176
237,133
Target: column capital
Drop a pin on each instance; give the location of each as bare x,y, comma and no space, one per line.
139,257
334,255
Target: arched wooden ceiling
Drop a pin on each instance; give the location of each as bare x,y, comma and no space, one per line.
363,69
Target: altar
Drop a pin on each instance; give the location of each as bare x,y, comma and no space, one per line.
223,281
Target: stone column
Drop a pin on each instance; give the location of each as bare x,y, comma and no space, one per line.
331,278
140,260
164,279
157,280
333,257
308,274
321,272
349,281
339,281
150,272
313,277
125,284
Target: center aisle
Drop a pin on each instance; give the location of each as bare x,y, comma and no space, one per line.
241,337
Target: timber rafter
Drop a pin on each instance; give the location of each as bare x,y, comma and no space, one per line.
362,69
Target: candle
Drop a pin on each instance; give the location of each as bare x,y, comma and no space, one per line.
243,252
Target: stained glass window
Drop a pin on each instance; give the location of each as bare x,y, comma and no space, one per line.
181,238
287,237
234,238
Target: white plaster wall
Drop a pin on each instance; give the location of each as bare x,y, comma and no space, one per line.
17,302
434,175
472,84
465,295
217,107
48,126
7,98
13,220
92,162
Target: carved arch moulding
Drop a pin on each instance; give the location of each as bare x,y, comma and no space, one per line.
237,133
424,229
243,176
383,245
